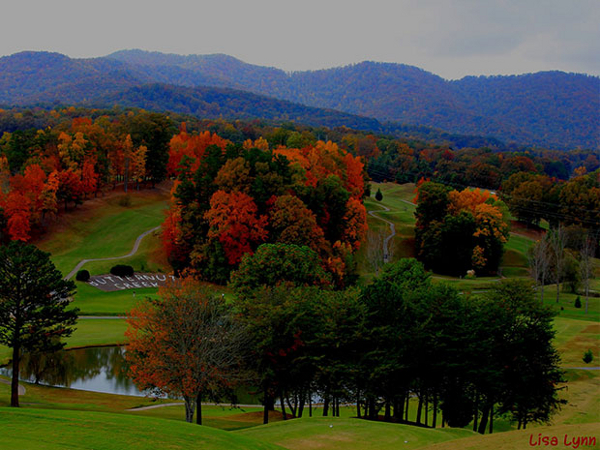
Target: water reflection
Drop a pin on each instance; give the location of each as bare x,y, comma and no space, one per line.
99,369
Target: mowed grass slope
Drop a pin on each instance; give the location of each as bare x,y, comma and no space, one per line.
341,434
398,198
103,227
88,333
521,439
31,429
109,227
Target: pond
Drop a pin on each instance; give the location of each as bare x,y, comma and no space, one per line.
98,369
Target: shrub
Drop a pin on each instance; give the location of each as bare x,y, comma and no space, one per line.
588,357
378,195
578,302
121,270
125,201
82,275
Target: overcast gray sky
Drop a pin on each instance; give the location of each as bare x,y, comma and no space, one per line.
451,38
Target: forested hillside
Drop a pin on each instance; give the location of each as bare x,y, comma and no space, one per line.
527,108
549,109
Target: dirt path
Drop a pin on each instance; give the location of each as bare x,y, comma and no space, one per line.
387,240
22,389
136,246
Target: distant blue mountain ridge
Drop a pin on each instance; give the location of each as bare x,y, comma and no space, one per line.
547,109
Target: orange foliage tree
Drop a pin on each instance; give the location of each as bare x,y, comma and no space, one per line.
234,221
191,146
187,344
293,223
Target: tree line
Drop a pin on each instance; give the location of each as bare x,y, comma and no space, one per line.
401,339
44,169
69,154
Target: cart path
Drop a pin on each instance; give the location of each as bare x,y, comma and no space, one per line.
387,240
162,405
136,246
21,387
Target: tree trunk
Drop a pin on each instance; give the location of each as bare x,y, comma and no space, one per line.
475,411
267,401
282,405
358,403
484,420
302,403
293,407
14,385
189,409
420,408
407,405
326,405
371,408
388,410
398,404
310,404
542,289
492,418
199,409
126,178
426,408
435,407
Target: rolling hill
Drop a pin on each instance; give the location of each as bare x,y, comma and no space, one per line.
549,109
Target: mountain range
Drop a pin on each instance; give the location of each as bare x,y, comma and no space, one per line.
548,109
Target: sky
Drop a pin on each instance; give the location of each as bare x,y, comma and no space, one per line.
451,38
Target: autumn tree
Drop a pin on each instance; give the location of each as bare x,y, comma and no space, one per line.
33,305
18,209
154,131
89,177
459,230
293,223
186,343
234,221
557,240
538,257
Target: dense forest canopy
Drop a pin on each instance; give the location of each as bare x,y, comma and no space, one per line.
284,173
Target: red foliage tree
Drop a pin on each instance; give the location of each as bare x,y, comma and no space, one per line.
186,344
18,210
355,221
234,221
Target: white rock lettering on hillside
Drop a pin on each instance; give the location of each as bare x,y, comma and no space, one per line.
109,283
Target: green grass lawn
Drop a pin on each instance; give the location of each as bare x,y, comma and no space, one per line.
147,259
94,302
518,440
342,433
566,304
395,197
88,333
59,429
107,231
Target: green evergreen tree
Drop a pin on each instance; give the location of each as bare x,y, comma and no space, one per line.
33,305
